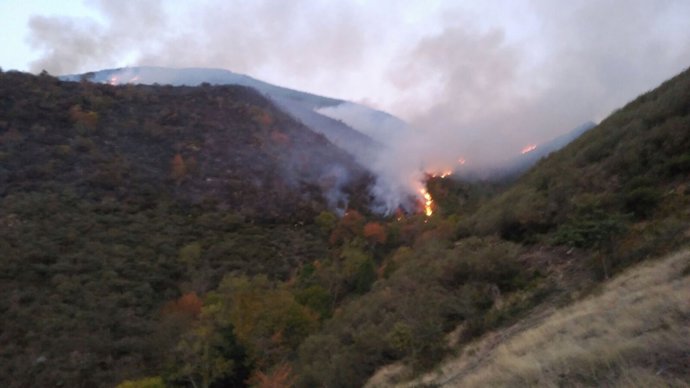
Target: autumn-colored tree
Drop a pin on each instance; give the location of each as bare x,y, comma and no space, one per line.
280,137
375,233
349,227
353,221
179,168
189,303
263,117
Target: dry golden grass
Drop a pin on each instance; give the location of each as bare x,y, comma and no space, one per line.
634,333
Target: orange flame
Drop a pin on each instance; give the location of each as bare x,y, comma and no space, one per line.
427,202
115,80
528,148
461,161
444,174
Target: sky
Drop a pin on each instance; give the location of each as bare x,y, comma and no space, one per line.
480,79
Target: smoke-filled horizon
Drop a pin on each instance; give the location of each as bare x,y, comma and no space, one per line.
477,82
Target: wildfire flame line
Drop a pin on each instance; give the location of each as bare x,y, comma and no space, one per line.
442,175
115,80
427,202
528,148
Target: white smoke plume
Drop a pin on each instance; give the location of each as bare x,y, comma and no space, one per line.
475,82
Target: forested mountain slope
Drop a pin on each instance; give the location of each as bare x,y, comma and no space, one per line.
305,107
616,196
157,235
626,176
226,144
117,199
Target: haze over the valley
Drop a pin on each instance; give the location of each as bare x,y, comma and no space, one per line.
477,82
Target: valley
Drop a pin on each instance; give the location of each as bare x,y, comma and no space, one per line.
159,235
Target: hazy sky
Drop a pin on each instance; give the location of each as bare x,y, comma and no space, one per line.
484,76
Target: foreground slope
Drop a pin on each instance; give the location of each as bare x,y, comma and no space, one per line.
633,332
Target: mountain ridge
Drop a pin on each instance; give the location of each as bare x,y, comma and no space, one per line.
303,106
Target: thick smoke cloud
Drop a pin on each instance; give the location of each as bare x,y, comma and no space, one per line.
76,44
471,82
476,82
484,98
299,40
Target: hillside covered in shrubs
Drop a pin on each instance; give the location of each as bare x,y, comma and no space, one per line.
198,236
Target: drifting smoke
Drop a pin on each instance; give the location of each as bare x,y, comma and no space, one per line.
241,36
379,126
338,179
476,84
74,44
485,97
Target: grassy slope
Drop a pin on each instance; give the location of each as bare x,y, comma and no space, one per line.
633,332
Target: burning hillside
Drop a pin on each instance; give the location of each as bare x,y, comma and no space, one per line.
222,145
528,149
